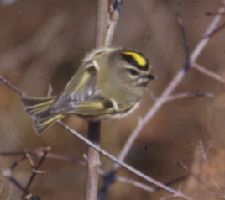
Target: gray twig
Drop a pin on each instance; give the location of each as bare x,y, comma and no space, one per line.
123,164
58,157
113,17
11,86
171,86
209,73
34,173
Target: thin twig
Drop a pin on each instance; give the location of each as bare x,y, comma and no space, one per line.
123,164
170,88
135,183
11,86
16,163
113,17
8,175
15,182
34,173
208,73
189,95
202,150
39,152
12,153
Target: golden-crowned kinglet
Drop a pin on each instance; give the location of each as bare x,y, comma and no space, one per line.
109,83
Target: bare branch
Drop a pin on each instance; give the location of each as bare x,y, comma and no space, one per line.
135,183
34,173
15,182
113,17
107,17
209,73
94,128
11,86
170,88
183,95
101,24
121,163
39,153
93,161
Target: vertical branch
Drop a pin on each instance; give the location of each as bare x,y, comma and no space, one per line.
113,17
93,161
107,18
101,23
94,128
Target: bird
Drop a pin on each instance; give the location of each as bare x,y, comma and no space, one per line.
109,83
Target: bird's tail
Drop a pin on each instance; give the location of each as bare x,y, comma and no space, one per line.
39,111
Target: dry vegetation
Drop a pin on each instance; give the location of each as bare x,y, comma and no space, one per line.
41,45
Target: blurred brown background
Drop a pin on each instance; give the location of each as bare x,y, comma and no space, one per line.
42,43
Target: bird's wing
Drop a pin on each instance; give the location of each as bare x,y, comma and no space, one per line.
80,88
93,107
82,97
98,107
83,84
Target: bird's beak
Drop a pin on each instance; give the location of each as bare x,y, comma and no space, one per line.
151,77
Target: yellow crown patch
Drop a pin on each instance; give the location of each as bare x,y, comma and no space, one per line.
137,57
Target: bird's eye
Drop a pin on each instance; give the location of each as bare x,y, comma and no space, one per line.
133,72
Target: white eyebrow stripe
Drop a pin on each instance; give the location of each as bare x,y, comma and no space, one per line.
95,63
